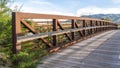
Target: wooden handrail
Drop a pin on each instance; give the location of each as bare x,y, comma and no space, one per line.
89,27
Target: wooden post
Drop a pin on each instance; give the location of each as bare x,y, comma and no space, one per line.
84,25
100,27
73,26
106,25
103,25
91,24
16,30
96,24
55,29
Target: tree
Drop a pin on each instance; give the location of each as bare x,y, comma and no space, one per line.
5,32
5,23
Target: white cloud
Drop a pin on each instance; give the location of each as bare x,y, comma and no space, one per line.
45,11
41,6
96,10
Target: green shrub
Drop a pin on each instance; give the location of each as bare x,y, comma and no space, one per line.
28,59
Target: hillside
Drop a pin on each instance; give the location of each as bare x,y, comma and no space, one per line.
114,17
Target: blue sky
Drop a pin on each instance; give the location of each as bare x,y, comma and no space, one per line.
70,7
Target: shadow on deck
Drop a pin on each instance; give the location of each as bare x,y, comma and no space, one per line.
101,51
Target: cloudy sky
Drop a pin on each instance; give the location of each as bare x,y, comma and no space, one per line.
70,7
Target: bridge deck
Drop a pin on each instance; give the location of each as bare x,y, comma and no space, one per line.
101,51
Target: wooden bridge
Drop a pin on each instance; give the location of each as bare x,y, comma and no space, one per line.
101,51
99,46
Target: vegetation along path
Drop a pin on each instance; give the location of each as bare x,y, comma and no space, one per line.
101,51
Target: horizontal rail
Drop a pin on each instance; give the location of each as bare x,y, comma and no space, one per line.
47,34
49,16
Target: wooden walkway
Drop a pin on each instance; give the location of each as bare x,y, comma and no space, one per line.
101,51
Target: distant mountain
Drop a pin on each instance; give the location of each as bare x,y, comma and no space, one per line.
114,17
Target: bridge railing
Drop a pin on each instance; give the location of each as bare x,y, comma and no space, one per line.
79,28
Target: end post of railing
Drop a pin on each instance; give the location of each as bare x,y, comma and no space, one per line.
16,29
